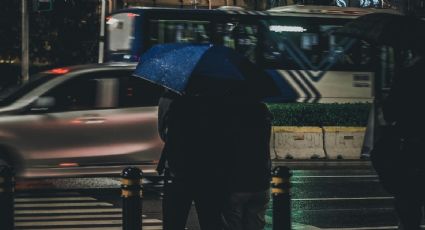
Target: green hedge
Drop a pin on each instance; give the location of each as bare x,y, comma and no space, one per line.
307,114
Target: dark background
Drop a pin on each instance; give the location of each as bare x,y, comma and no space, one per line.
68,34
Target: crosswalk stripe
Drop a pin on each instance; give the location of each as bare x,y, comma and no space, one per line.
67,223
20,218
46,205
80,222
89,228
152,227
49,218
152,221
71,213
98,228
43,199
65,211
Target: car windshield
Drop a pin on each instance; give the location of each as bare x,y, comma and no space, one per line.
13,93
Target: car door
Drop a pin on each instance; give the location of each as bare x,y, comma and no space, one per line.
136,119
97,119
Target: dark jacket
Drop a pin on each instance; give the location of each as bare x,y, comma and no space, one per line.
404,103
194,132
404,110
398,155
249,151
223,140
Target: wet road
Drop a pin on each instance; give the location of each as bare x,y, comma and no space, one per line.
325,195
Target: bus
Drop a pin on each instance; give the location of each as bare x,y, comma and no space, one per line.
294,44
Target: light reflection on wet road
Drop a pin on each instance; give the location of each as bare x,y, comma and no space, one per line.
325,195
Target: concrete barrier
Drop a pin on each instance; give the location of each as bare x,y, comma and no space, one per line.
344,142
297,142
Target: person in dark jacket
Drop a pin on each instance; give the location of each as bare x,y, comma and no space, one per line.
403,171
249,166
192,128
217,149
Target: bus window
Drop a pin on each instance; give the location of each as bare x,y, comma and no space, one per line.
170,31
120,31
309,44
296,48
239,36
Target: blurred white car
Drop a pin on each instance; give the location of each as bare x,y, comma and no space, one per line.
80,121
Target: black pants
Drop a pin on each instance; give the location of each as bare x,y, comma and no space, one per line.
178,198
246,210
409,211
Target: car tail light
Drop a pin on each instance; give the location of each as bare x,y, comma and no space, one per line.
59,71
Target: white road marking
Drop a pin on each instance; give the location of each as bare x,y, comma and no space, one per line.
152,227
345,198
67,223
89,228
65,211
152,221
83,222
366,228
18,218
42,199
47,205
342,176
90,213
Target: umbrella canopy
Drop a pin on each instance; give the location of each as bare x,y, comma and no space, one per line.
203,69
388,29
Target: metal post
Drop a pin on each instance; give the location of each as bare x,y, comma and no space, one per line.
281,198
132,197
102,32
6,198
24,42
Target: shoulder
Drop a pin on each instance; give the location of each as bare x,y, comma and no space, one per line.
266,111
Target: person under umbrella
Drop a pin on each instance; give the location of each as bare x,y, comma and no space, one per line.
226,170
403,168
196,115
397,155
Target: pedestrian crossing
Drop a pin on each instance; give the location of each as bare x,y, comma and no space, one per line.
69,211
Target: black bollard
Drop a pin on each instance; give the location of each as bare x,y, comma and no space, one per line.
281,198
6,198
131,193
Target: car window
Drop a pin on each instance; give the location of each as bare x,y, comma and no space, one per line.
106,89
76,94
11,94
136,92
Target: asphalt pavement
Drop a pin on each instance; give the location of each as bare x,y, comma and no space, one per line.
328,195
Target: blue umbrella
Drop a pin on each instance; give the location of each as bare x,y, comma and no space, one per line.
199,69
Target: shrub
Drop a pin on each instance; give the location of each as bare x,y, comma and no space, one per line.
306,114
